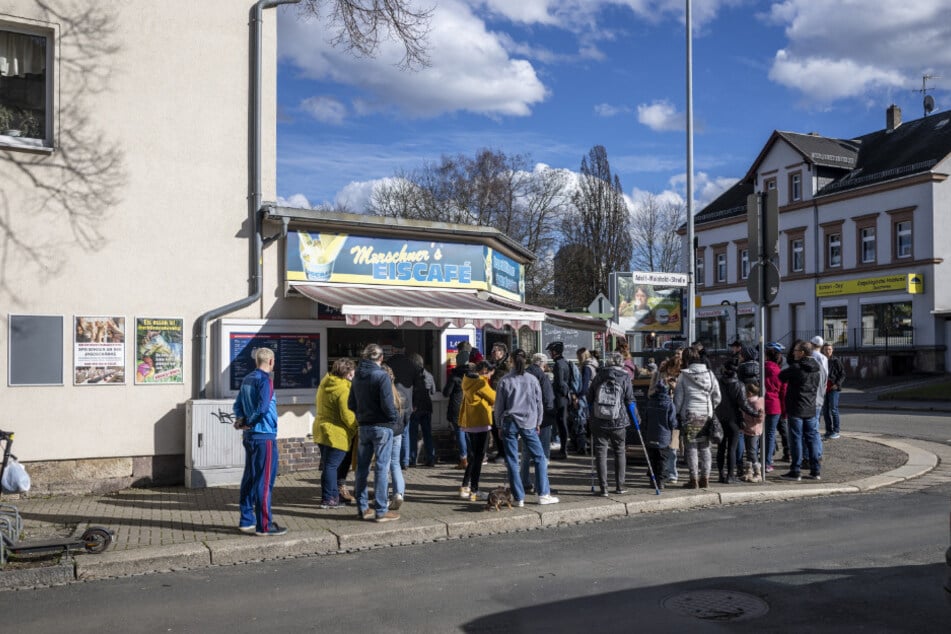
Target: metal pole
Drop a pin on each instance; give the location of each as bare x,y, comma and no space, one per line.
691,330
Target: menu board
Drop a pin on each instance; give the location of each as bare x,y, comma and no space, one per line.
296,358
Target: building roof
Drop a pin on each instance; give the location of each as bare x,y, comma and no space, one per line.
914,147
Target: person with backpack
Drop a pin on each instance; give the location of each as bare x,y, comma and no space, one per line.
610,396
695,398
561,383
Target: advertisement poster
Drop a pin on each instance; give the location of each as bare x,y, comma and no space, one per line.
296,358
158,357
650,302
99,350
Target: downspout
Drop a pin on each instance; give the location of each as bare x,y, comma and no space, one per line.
820,248
255,242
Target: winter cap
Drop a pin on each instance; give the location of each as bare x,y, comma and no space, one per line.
736,344
557,347
749,352
817,341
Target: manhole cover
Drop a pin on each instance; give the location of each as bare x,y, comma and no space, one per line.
717,605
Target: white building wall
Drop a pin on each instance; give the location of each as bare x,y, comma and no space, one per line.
171,99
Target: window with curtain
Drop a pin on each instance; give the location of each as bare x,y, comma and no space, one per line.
24,89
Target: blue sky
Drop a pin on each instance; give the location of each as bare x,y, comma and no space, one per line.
552,78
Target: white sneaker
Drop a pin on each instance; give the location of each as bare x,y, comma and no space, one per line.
547,499
519,503
396,502
463,493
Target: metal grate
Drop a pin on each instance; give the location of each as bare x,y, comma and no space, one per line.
717,605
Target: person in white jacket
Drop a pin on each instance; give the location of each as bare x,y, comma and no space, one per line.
696,396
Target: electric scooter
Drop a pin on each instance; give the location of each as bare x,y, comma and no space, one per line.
94,539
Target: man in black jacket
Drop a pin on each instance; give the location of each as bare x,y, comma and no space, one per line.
802,376
833,387
611,432
562,387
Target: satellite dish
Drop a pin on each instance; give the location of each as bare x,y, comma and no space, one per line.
929,104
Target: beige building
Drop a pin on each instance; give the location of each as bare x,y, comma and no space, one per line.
124,170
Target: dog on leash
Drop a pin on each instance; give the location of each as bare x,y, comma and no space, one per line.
498,497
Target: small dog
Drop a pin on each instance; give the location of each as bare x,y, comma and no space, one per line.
498,497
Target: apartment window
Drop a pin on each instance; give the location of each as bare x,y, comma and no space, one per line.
769,184
834,254
903,239
797,255
25,87
700,271
867,244
795,186
721,268
744,264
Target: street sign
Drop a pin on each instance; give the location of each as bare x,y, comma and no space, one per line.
763,282
601,306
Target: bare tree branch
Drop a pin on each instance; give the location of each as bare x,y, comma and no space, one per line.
361,25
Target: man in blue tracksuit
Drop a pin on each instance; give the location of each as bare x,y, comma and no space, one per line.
255,411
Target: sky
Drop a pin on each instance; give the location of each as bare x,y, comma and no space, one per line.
550,79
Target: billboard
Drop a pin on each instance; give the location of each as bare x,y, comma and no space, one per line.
649,302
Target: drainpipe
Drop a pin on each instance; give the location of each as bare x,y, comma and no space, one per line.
820,247
255,242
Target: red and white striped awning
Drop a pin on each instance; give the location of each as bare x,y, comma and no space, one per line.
439,308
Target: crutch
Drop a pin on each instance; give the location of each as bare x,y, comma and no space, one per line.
632,410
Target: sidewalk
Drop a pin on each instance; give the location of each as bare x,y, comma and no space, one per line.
176,528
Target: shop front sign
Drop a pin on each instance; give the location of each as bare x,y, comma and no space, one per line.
913,283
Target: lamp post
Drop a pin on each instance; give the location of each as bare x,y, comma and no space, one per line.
736,317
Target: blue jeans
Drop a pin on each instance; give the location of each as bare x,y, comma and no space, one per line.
510,433
257,482
772,425
404,451
461,441
374,440
830,412
424,421
544,437
804,435
330,461
396,471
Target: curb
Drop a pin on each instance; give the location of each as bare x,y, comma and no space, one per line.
366,535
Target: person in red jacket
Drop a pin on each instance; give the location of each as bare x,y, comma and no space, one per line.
774,400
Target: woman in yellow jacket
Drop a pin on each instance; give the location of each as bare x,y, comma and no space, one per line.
475,419
335,428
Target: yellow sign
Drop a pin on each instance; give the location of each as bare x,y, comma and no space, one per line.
913,283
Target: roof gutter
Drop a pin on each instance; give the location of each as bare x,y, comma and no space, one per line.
255,241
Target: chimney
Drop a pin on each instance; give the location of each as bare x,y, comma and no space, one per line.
892,117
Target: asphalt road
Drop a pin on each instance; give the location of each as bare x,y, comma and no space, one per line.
845,563
935,427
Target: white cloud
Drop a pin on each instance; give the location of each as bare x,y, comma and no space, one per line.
470,68
356,195
849,48
705,188
661,116
298,201
607,110
325,109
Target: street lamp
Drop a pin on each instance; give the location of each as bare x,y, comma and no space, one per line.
736,317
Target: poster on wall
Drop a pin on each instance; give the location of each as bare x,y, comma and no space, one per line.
98,350
158,355
296,358
650,302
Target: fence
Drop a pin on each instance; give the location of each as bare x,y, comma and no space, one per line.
857,338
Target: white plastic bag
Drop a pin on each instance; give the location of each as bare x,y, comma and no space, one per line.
15,478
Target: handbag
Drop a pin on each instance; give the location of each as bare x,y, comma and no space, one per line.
712,430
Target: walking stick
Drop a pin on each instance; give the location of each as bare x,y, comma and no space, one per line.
632,410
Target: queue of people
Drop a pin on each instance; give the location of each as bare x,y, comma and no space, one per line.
370,414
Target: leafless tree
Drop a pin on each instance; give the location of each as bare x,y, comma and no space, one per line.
654,225
597,233
361,25
491,189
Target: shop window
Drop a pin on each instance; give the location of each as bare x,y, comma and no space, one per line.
834,250
887,324
835,324
25,87
903,239
797,257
